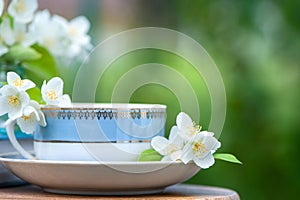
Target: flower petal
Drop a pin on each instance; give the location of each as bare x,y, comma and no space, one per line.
65,101
12,77
206,133
187,153
205,162
35,105
176,155
4,108
216,147
40,114
27,124
60,20
28,110
28,84
23,37
15,112
22,10
173,133
56,84
160,145
176,139
81,23
42,121
24,98
7,35
183,121
36,108
15,101
8,90
52,91
211,143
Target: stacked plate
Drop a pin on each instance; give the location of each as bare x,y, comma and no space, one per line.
6,177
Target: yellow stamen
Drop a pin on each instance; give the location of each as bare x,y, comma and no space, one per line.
199,148
194,129
73,31
52,95
13,100
20,6
25,118
18,82
197,127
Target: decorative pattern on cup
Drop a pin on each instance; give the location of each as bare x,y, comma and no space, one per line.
103,114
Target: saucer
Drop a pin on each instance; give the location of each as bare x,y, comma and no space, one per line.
98,177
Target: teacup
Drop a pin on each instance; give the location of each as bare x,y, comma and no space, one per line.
103,132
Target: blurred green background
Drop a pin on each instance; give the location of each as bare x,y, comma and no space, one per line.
255,45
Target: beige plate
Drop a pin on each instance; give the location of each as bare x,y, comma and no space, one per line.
99,178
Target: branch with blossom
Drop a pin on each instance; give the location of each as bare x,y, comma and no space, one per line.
187,143
16,102
39,41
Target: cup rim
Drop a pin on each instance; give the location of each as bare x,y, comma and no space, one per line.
108,106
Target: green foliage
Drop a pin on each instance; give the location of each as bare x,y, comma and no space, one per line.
42,68
227,157
150,155
2,84
35,94
256,46
19,53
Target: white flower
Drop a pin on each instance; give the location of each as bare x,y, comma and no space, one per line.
49,33
22,36
63,39
76,31
6,32
171,149
32,116
200,150
22,10
17,34
52,93
13,101
186,127
187,143
1,6
65,101
14,80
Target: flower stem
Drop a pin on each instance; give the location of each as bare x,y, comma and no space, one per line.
5,7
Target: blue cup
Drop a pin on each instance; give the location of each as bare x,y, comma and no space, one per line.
103,132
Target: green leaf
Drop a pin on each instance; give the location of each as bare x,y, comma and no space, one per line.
2,84
41,69
150,155
227,157
21,53
35,94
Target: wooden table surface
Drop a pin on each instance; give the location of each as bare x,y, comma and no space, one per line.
175,192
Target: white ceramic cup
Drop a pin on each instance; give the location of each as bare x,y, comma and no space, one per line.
103,132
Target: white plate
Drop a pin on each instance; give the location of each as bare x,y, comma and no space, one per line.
99,178
6,177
